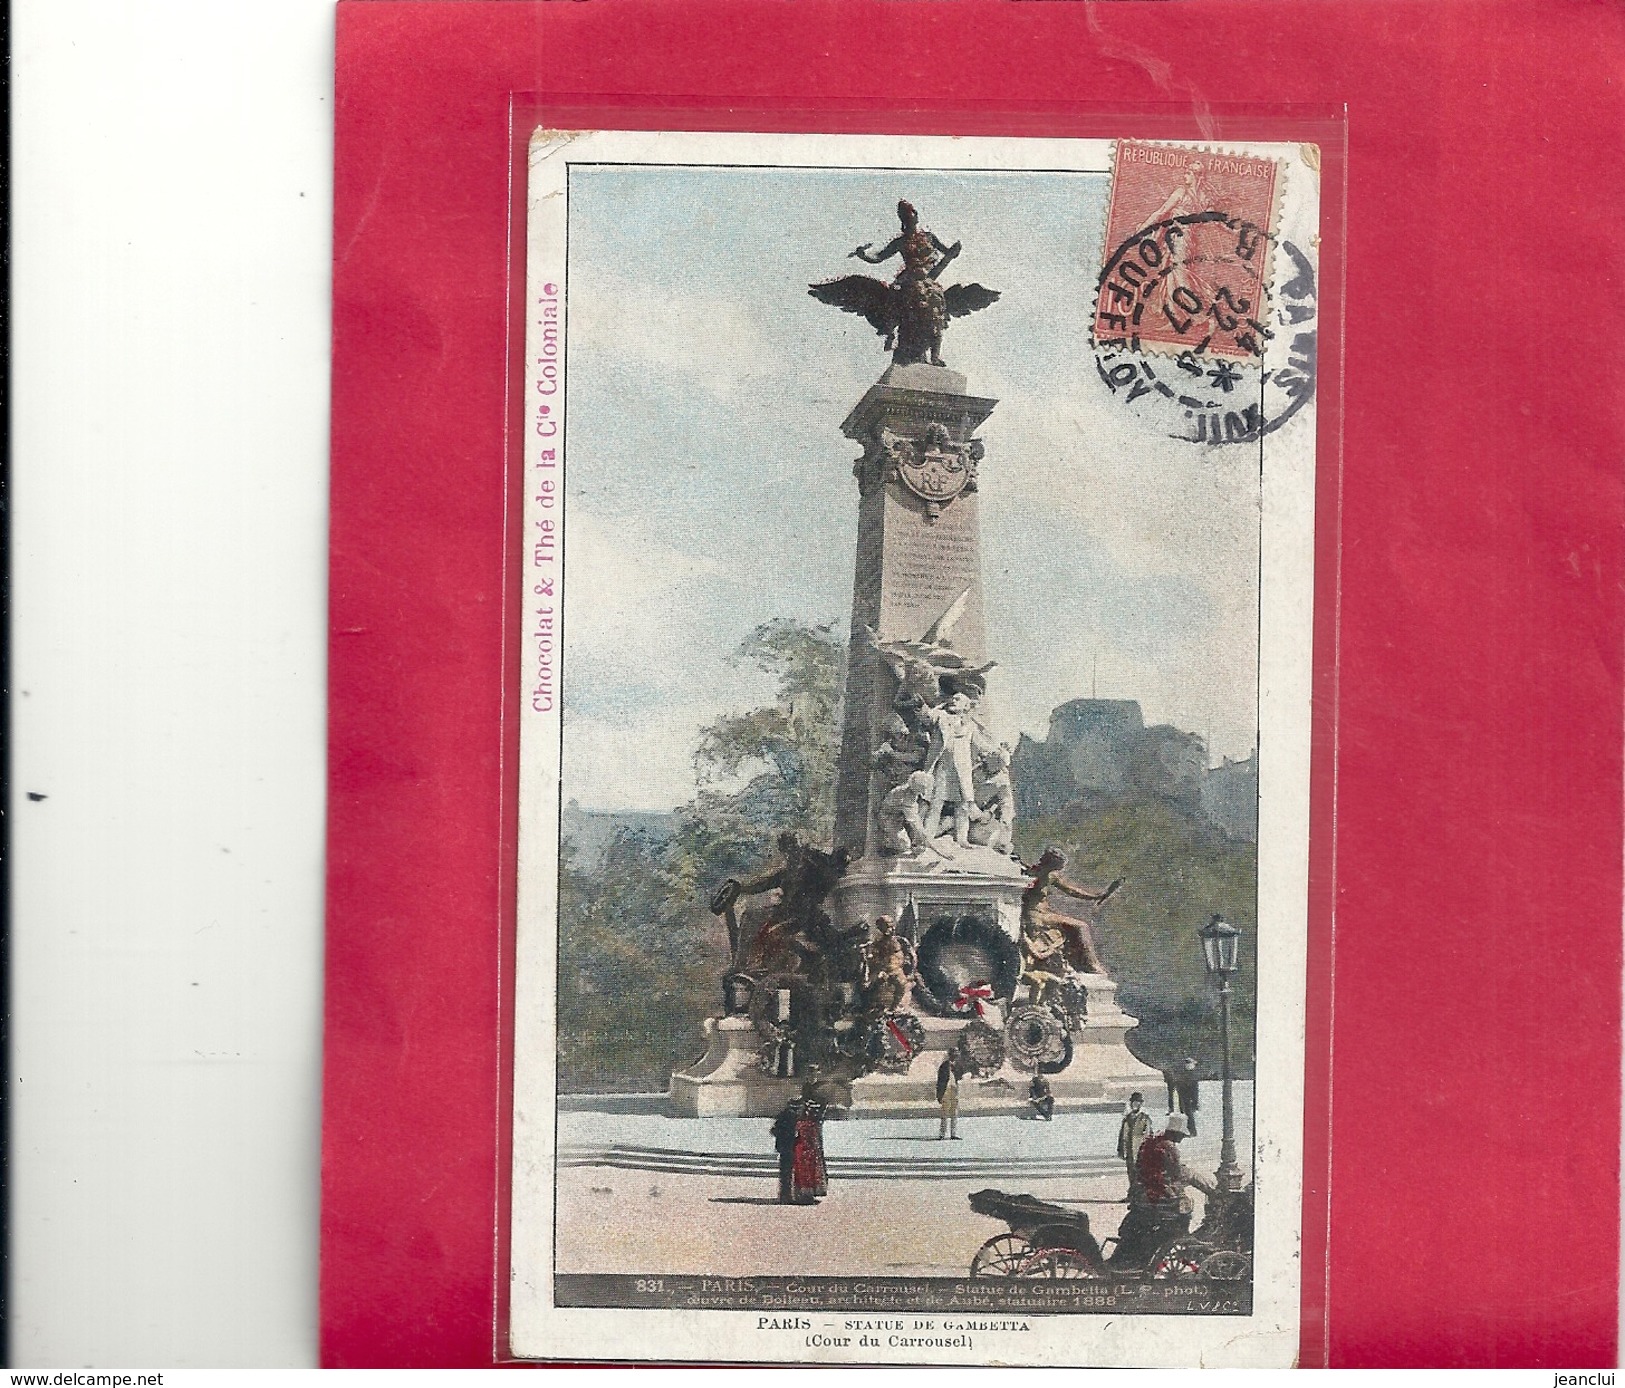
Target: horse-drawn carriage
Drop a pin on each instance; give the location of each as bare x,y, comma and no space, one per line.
1047,1240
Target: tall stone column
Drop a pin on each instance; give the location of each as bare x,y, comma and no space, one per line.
919,551
924,803
917,583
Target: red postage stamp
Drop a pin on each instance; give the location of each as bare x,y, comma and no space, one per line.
1187,251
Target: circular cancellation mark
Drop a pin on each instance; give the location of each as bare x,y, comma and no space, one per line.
1180,340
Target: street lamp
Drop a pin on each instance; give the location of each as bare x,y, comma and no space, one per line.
1221,953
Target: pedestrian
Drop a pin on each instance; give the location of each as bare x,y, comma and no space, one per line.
1187,1091
1131,1133
1042,1098
784,1141
809,1176
1163,1177
949,1074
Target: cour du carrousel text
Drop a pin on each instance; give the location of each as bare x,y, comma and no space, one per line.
546,583
865,1333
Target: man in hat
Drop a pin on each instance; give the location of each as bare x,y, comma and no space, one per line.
784,1141
1131,1135
1158,1208
1163,1177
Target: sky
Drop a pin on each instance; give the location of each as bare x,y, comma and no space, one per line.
709,488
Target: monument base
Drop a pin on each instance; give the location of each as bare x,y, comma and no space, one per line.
727,1081
975,881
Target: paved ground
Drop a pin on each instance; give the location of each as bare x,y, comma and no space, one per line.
651,1194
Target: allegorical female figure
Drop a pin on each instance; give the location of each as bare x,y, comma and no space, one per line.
924,305
912,311
1053,944
809,1177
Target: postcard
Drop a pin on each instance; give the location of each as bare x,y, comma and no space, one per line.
917,592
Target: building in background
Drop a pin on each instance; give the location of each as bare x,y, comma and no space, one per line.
1100,752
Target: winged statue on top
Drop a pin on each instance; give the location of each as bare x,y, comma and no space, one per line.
912,310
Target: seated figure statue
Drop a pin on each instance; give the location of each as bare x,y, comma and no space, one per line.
1053,945
797,927
900,816
997,803
887,965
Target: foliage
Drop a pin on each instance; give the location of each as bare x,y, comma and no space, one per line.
640,956
638,965
774,768
1178,870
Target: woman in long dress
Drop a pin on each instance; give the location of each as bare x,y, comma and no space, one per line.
809,1177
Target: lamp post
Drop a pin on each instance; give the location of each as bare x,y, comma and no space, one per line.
1221,953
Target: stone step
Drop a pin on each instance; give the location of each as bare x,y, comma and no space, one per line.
942,1168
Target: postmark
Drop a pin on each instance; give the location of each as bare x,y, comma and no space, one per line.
1204,318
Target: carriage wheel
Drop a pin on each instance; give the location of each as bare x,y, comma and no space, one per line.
1227,1265
1005,1255
1063,1263
1182,1258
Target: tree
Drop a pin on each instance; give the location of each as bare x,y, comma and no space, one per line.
641,957
771,769
637,965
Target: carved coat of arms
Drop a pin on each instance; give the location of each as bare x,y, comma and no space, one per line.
935,467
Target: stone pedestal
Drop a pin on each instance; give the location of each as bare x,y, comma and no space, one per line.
975,881
726,1080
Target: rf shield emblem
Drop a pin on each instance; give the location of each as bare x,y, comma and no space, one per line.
936,469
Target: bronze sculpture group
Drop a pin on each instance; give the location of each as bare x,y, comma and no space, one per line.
845,1002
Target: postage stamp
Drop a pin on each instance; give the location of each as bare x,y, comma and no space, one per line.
1188,250
911,937
1189,327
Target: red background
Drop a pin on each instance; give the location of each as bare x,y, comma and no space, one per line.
1468,791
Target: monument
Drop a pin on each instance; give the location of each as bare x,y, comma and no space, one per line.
919,931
